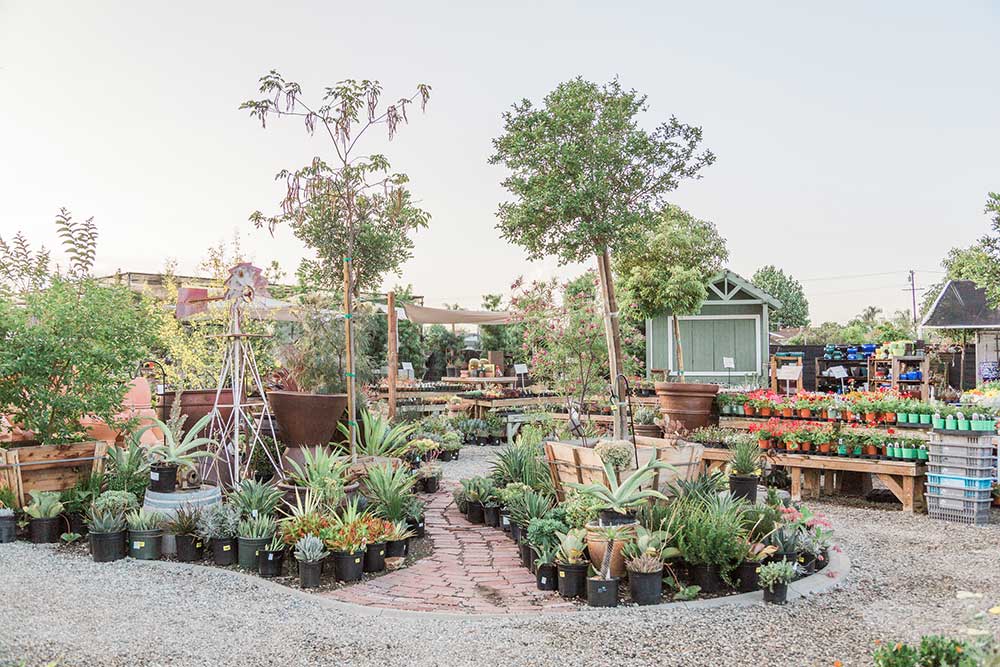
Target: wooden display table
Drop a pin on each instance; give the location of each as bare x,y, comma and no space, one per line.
904,479
480,406
500,379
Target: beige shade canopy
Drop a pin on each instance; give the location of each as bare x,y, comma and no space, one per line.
424,315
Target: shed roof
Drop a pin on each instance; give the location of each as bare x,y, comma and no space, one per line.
726,285
962,305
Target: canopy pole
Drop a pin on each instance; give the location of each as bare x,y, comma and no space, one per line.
393,353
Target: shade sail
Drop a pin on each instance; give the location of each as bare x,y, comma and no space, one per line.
424,315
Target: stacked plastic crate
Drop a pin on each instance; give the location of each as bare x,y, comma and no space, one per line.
960,474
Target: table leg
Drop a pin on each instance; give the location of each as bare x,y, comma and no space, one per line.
796,484
908,494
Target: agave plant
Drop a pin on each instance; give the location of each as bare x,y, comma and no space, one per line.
622,497
389,489
103,521
321,471
379,437
219,522
44,505
519,462
257,528
183,454
253,498
142,519
531,505
571,546
310,549
400,531
127,468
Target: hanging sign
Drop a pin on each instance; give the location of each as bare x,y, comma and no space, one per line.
790,373
728,362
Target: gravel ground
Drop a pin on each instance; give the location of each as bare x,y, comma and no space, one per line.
907,572
473,460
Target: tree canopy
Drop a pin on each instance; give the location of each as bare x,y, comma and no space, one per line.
794,306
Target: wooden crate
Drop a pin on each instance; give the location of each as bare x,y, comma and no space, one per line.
49,467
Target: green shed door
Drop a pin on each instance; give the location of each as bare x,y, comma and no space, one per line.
706,342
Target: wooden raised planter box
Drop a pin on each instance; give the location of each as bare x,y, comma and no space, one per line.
49,467
573,462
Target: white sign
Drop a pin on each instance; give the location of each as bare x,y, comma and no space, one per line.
520,369
407,369
838,372
789,372
728,362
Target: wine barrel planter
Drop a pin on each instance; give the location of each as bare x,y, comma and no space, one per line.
688,405
307,420
167,504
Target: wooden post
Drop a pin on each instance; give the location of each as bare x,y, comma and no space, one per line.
349,336
613,334
678,348
393,353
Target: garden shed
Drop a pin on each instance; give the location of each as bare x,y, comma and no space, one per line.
732,323
962,306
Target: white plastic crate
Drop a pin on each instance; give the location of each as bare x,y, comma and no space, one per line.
959,493
975,518
963,460
961,471
969,506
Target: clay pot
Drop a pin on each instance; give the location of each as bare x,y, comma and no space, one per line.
805,413
786,412
765,412
747,410
686,405
764,444
597,545
648,430
196,403
307,420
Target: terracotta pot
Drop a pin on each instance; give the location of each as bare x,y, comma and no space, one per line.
824,448
765,412
869,450
889,417
847,415
648,430
805,413
764,444
805,446
871,417
824,414
307,420
196,403
747,410
786,412
792,446
686,405
597,545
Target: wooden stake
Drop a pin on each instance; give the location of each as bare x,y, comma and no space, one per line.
678,348
349,335
393,354
613,333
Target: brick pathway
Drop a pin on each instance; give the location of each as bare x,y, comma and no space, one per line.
472,570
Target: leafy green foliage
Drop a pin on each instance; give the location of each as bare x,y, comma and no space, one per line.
794,305
44,505
71,351
22,269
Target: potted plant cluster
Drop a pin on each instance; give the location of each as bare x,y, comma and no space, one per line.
45,522
145,534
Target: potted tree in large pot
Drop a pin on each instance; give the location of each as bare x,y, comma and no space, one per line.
668,272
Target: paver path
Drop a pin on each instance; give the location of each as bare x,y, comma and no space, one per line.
472,570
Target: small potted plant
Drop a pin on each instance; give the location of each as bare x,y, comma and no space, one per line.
644,559
220,524
377,533
543,538
145,534
77,500
106,532
173,455
44,524
271,559
415,517
429,475
310,553
571,564
744,469
774,579
253,498
254,534
397,540
8,524
645,421
347,543
602,589
187,540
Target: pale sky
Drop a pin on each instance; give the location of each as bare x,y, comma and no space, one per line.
855,140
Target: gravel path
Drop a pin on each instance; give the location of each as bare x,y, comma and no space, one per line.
907,571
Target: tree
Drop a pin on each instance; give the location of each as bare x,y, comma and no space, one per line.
669,269
587,180
794,306
343,208
991,246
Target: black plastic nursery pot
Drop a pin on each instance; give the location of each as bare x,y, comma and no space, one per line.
77,524
610,518
431,484
602,592
525,551
145,544
417,526
224,551
515,532
790,556
746,574
546,577
45,531
375,557
270,563
505,521
8,529
107,547
645,588
190,548
249,551
310,573
348,566
807,562
708,577
446,456
491,515
572,580
395,548
743,487
476,513
162,478
777,595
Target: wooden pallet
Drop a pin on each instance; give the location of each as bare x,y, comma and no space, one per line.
49,467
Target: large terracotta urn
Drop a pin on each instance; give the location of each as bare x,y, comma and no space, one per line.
687,405
196,403
307,420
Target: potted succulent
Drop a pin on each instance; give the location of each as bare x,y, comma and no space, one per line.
45,524
397,540
415,517
543,539
188,541
744,469
602,589
220,524
546,573
571,564
645,422
310,553
106,532
377,532
145,534
253,498
347,543
271,559
77,501
785,541
774,579
173,455
254,534
645,556
8,524
429,475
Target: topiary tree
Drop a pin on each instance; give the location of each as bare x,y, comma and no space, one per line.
794,306
587,180
669,269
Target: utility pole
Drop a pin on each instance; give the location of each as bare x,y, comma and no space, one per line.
913,292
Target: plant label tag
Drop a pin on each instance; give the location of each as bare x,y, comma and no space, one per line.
197,545
789,372
520,369
270,556
543,580
838,372
257,552
506,521
728,362
253,513
381,552
357,560
562,575
138,545
227,547
155,476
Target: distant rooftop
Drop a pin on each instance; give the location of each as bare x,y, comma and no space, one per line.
962,305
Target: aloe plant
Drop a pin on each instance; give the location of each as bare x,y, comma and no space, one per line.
379,437
253,498
571,546
621,497
257,528
183,454
44,505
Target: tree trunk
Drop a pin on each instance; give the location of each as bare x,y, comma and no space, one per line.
677,347
613,333
349,344
393,353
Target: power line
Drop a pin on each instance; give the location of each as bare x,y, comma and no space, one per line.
867,275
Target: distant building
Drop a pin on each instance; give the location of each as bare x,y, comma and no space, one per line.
962,306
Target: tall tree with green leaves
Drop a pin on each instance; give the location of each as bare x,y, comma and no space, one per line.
586,180
669,270
350,205
794,305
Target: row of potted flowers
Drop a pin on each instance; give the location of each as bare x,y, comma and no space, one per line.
826,439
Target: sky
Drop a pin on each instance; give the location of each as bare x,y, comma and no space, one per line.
854,140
